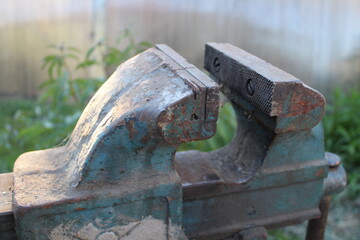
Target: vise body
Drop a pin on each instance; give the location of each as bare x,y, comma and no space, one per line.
119,175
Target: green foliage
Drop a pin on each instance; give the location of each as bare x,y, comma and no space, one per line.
225,129
49,120
280,234
342,134
8,146
114,55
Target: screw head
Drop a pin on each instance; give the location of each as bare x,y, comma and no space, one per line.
216,64
332,159
250,87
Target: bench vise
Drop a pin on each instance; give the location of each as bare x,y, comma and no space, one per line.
119,175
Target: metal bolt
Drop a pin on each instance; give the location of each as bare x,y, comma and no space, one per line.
250,88
216,64
332,159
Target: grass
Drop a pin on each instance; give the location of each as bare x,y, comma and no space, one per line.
342,131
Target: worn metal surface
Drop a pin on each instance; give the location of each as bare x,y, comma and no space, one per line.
272,173
115,177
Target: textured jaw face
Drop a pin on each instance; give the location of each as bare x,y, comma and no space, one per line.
277,99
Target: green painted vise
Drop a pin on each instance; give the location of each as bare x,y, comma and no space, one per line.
119,175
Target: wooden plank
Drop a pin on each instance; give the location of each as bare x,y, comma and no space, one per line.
6,186
7,221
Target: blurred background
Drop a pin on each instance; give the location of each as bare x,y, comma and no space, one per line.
318,41
55,54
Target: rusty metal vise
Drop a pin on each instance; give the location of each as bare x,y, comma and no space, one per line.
119,175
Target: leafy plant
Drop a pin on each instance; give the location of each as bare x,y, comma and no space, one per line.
65,88
226,126
342,131
280,234
49,120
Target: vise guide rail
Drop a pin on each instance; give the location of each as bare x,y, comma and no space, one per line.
120,177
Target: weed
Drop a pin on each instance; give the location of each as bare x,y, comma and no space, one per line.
33,125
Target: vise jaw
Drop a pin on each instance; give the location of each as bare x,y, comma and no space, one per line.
115,177
272,173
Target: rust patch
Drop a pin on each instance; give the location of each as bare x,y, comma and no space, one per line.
79,209
130,128
145,139
320,172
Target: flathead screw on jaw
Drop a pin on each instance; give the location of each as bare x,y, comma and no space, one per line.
216,64
250,88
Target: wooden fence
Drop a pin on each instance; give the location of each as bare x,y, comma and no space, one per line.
317,41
